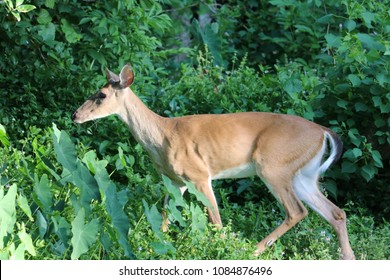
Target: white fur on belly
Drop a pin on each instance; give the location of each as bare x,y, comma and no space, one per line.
241,171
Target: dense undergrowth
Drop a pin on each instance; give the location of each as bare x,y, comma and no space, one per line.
90,191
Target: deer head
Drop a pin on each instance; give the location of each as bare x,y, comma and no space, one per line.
106,101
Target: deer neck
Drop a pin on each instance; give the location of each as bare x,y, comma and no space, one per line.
146,126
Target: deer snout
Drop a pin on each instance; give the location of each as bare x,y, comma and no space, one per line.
74,116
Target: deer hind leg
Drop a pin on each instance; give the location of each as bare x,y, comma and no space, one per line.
306,188
280,186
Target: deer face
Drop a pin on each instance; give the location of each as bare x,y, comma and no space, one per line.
105,101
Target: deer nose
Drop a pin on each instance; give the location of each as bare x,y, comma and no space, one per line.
74,115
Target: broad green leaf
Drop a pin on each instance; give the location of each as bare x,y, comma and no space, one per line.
325,19
71,35
174,214
354,80
293,86
162,248
23,204
26,239
50,3
44,17
361,107
154,218
342,104
376,156
120,220
3,137
369,42
48,33
7,212
174,192
64,149
62,229
114,204
333,41
199,219
42,224
304,28
348,167
368,172
84,234
43,193
199,196
368,18
17,254
350,24
87,184
18,3
25,8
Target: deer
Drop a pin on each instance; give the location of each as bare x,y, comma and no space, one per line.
287,152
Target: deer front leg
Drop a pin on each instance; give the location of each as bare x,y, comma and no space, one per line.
206,188
165,223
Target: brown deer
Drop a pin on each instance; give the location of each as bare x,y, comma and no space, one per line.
285,151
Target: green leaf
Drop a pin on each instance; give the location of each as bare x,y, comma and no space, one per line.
199,219
43,193
368,172
62,229
162,248
174,191
325,19
17,254
353,154
18,3
47,32
199,196
120,221
342,104
23,204
3,137
42,224
175,214
304,29
350,24
154,218
333,41
114,202
356,82
292,86
7,212
84,234
361,107
376,156
26,240
25,8
44,17
368,18
369,42
64,149
50,3
348,167
71,35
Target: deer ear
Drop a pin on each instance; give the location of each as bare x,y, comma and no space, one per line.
126,76
111,77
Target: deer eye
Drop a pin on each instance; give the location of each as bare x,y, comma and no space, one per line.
101,95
